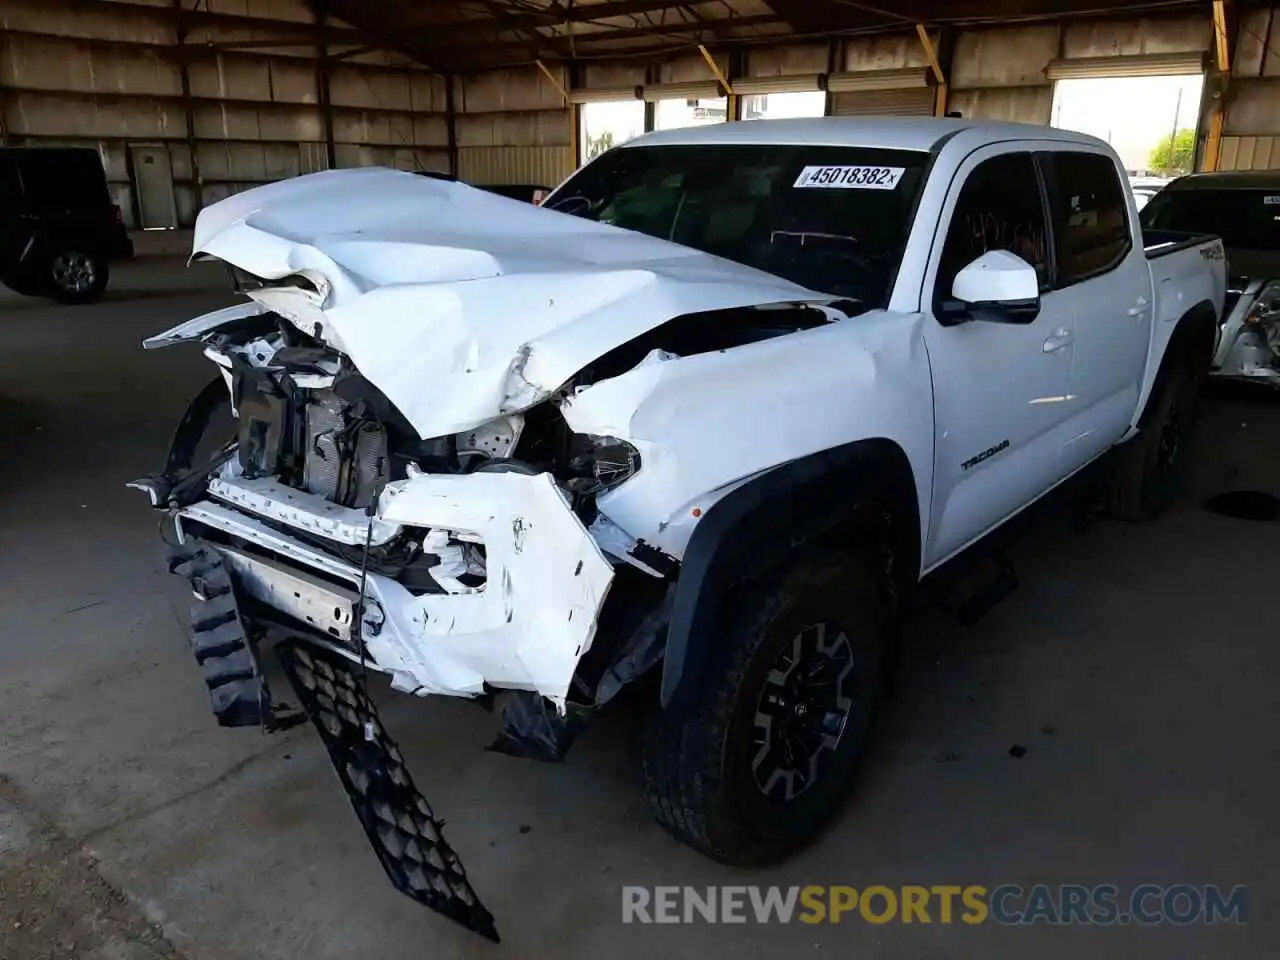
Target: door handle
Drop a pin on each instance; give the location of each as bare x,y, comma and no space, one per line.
1139,307
1062,337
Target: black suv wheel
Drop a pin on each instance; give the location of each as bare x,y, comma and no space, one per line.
76,276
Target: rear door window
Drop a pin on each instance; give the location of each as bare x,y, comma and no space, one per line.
1090,216
63,179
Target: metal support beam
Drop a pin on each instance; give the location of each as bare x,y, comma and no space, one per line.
939,75
555,81
180,29
833,66
715,68
1220,36
451,123
1222,84
4,93
323,88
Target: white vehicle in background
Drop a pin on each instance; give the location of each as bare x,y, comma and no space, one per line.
1244,209
1145,188
707,415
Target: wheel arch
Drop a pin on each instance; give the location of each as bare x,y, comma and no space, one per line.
833,497
1192,342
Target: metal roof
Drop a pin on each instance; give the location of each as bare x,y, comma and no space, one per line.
456,36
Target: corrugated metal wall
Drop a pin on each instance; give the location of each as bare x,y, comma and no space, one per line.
513,126
109,74
1251,130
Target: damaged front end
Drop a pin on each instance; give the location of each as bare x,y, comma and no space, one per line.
466,466
460,566
1249,344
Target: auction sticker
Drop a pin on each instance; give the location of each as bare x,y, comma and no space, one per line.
850,178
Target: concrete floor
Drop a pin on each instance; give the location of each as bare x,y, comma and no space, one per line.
1138,665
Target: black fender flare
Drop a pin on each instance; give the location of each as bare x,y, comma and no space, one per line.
758,526
1193,341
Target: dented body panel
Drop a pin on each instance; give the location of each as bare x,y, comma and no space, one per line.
525,630
494,302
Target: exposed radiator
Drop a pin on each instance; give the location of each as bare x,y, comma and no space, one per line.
323,472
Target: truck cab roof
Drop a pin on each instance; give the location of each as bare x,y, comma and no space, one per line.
894,133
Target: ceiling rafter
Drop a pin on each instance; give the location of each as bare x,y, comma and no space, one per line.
464,35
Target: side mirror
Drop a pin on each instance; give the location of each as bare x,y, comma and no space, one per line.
998,287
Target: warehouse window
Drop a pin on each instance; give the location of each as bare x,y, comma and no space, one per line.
681,112
777,106
1150,121
606,125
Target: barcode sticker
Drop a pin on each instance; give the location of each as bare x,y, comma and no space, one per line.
850,178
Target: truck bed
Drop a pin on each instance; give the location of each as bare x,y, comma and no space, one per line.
1160,243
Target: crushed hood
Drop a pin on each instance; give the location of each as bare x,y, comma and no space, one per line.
460,305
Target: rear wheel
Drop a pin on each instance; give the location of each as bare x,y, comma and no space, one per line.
76,276
761,764
1150,468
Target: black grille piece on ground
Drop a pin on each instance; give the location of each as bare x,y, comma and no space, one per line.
404,832
222,645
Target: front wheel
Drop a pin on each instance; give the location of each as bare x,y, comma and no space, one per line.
764,758
1149,469
76,276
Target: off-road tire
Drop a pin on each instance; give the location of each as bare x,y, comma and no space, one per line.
696,767
1146,479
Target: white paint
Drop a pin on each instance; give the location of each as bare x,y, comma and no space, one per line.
997,276
197,327
465,309
529,625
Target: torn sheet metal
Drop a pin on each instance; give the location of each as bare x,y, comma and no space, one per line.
197,327
494,304
528,626
299,509
1249,342
533,729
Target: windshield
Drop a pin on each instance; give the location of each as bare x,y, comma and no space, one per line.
833,219
1244,219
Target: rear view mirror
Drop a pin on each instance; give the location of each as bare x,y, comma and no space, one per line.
998,287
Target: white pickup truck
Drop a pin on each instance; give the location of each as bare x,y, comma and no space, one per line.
703,418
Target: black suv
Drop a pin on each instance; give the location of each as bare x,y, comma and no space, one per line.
59,229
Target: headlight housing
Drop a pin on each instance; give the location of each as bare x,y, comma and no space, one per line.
599,464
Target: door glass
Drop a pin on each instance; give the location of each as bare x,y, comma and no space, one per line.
1090,219
999,208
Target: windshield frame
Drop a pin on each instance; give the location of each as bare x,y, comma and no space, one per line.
918,163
